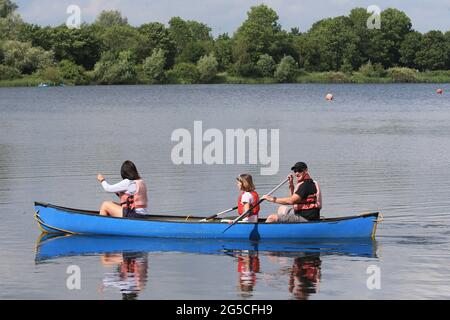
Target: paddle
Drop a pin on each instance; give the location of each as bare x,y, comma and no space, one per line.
218,214
253,207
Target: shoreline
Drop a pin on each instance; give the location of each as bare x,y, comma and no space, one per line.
432,77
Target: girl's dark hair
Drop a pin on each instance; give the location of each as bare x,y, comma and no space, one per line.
129,171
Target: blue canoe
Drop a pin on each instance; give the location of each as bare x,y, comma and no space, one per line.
55,219
51,247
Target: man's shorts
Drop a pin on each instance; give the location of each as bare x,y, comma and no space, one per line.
287,215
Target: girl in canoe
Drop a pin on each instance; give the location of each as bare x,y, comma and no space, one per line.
132,192
248,197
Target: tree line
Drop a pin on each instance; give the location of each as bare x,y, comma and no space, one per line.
111,51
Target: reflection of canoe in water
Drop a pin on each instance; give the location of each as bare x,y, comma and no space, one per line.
54,246
54,219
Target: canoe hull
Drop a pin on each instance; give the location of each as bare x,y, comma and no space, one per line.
54,219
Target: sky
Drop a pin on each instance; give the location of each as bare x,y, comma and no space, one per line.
226,15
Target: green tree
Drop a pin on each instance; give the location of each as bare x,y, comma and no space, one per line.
283,45
447,40
10,22
386,42
116,68
286,70
358,19
207,67
120,38
153,66
51,74
328,44
82,46
184,73
434,51
223,51
9,73
24,57
243,65
258,35
119,52
192,39
266,65
7,7
180,33
307,51
37,35
73,73
156,36
409,48
194,51
110,18
183,32
346,67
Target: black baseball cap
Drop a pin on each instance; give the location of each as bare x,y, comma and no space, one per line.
299,167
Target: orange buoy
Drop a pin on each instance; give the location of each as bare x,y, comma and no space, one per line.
329,97
439,91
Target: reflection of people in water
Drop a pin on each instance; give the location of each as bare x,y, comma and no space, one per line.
131,274
248,267
305,276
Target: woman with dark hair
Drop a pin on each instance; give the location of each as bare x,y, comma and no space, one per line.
132,192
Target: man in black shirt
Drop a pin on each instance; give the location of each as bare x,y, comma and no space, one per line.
305,201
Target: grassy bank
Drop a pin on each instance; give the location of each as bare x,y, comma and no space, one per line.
303,77
22,82
340,77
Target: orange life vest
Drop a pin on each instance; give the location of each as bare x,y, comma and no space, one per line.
138,200
313,201
248,264
255,210
311,271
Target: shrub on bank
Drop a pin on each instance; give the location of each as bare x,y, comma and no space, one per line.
441,76
337,77
9,73
358,77
286,70
207,68
244,69
266,65
153,67
183,73
116,69
24,57
72,73
51,74
234,79
372,70
403,75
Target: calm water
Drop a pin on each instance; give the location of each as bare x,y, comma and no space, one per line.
377,147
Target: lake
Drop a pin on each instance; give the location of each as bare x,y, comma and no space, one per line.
375,148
